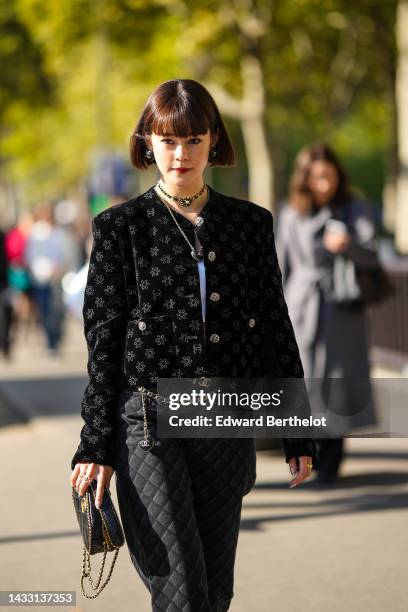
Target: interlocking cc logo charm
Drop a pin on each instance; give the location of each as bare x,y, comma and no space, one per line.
146,444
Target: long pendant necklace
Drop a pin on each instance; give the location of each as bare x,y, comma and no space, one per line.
196,254
185,201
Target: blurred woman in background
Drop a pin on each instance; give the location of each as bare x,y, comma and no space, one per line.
321,221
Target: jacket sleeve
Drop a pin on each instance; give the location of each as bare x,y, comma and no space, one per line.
104,314
281,350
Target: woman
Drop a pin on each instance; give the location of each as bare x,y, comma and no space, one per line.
322,222
183,282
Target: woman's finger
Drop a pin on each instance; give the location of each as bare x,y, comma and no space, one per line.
85,478
293,466
74,474
100,488
304,472
306,462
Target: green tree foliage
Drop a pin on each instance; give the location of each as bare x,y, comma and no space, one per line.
328,71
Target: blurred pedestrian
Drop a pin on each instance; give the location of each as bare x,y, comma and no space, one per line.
5,301
18,275
321,220
45,258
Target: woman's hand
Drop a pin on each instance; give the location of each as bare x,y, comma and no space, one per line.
94,471
300,468
336,243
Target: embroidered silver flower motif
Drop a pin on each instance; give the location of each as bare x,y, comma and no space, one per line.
167,280
147,307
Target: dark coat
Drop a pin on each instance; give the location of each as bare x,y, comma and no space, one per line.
142,309
332,339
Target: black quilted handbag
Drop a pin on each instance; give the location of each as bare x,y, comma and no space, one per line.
101,533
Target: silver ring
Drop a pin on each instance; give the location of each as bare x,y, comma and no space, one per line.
85,477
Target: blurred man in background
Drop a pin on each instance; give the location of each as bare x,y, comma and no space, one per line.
45,256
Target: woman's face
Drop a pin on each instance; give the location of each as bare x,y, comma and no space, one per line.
181,160
323,181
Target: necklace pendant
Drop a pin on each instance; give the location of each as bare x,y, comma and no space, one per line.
195,255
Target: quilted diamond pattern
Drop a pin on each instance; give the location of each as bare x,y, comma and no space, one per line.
180,506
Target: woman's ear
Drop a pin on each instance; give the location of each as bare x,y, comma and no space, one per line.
148,142
214,139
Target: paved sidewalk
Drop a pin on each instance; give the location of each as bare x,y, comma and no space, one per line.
301,549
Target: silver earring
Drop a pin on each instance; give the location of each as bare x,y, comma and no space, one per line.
149,155
213,153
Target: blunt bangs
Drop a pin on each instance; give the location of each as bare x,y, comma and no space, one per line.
179,117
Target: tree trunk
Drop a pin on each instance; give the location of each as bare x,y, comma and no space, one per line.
260,166
401,235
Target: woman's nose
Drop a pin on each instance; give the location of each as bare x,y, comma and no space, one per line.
181,152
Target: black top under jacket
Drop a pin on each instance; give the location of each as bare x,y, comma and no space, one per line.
142,308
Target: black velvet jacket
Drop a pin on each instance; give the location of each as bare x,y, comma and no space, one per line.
142,308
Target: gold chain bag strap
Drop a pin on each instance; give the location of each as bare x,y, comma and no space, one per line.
101,533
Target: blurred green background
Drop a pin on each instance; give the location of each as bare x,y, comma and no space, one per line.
75,75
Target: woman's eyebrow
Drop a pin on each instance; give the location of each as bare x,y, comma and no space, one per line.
165,134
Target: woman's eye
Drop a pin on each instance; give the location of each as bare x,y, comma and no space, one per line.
191,141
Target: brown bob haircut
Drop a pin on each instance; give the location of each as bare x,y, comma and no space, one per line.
181,107
300,195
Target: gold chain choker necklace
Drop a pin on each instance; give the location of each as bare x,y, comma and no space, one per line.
185,201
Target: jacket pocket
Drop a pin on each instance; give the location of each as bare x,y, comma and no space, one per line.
150,350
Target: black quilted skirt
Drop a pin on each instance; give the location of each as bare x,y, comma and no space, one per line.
180,505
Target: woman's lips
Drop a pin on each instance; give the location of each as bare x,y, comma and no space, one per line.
181,170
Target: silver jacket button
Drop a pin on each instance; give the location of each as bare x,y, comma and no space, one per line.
214,338
211,256
214,297
251,322
199,221
141,325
